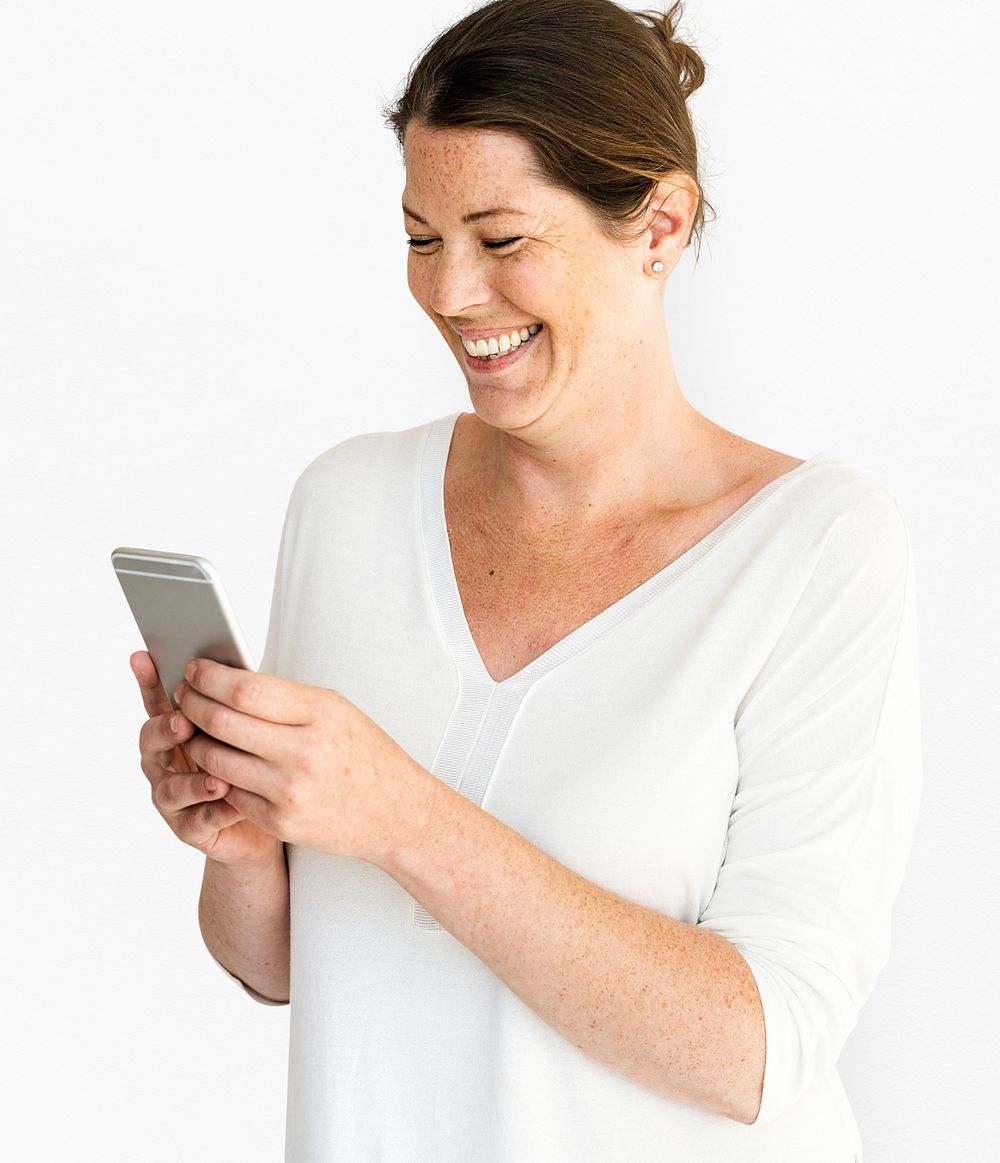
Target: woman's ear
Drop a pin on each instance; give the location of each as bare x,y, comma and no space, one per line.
672,206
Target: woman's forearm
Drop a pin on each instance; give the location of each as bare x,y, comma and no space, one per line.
244,918
668,1004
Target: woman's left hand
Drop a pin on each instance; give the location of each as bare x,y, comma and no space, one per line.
303,762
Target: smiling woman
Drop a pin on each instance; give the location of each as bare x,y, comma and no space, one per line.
562,278
588,729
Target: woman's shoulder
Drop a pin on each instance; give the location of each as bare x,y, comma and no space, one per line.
818,488
844,528
838,487
367,458
823,508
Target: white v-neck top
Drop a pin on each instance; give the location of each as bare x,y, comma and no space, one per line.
735,743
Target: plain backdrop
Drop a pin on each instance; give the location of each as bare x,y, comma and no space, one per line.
202,286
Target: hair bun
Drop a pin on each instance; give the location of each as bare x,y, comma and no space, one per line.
687,64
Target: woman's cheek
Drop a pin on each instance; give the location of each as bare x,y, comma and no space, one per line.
418,280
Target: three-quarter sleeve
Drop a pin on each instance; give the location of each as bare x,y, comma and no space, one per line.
829,785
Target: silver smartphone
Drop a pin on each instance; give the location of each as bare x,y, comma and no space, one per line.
181,609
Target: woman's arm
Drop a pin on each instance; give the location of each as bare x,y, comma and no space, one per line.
244,918
244,899
668,1004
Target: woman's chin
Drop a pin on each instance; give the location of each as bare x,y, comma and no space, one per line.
510,409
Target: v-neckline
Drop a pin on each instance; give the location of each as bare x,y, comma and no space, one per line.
448,598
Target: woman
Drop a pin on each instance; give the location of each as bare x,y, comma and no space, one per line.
585,743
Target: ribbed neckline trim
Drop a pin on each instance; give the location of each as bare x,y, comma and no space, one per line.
444,584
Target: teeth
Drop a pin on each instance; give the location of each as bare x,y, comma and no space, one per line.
498,345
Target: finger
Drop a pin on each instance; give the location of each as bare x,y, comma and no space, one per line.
200,823
264,696
245,732
161,740
176,793
251,807
159,735
154,697
233,765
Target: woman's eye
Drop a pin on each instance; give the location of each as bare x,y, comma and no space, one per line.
490,244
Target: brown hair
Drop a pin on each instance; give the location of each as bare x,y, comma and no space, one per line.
597,90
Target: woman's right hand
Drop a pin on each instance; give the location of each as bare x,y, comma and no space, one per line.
193,808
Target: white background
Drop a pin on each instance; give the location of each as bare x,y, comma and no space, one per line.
202,286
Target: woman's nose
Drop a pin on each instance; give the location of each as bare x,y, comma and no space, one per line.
459,284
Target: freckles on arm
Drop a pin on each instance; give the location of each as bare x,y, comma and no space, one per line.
670,1005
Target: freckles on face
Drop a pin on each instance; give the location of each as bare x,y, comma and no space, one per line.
475,188
452,172
561,271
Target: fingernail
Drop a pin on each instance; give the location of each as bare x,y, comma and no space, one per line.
175,723
177,692
210,784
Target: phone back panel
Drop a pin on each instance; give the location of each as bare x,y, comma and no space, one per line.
182,611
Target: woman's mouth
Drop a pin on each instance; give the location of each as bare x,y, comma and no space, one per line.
501,350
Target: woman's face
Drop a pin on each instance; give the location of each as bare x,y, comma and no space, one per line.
495,251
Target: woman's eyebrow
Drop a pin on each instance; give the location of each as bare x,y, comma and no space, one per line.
473,217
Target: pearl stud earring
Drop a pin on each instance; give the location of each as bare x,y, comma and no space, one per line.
657,267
